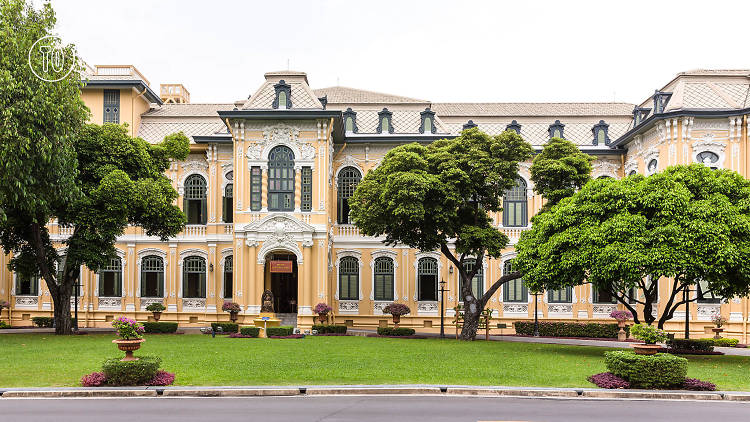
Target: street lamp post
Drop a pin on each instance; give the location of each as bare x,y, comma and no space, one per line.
442,308
536,314
75,292
685,297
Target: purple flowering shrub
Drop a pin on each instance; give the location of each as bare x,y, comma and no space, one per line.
4,304
231,307
608,380
698,385
621,315
240,335
128,329
396,309
162,378
322,309
94,379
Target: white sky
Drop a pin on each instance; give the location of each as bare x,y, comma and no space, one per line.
434,50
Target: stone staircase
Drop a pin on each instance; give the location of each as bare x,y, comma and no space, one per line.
288,319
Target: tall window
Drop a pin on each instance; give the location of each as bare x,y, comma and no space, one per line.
306,199
111,106
194,200
705,295
603,296
427,278
349,278
514,290
227,212
228,269
194,277
349,178
110,279
61,267
282,100
27,286
152,276
477,283
515,205
383,283
256,178
281,179
564,295
349,126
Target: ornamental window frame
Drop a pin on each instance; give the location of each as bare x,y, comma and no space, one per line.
601,133
554,128
256,188
111,106
350,116
716,147
521,200
190,194
437,256
143,253
384,114
33,285
350,254
478,278
118,273
143,269
282,96
375,258
514,126
427,117
279,165
507,267
342,203
306,178
227,270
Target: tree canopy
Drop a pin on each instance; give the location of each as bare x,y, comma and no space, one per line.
559,171
686,225
437,196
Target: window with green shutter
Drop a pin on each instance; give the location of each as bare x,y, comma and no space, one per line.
194,199
256,179
306,200
477,282
349,178
194,277
603,296
515,205
152,276
27,285
110,279
383,283
349,278
427,278
705,295
227,211
514,290
281,179
111,106
228,282
564,295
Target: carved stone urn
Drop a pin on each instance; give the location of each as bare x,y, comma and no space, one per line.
646,349
129,346
396,320
157,315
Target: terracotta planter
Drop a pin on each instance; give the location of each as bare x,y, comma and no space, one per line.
233,316
646,349
322,318
717,331
396,320
129,346
621,335
157,315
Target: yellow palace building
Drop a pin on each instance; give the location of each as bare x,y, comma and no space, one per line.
266,184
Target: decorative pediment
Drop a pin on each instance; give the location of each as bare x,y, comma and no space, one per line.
279,223
280,133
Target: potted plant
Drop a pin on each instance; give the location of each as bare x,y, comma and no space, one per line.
621,317
131,336
719,322
649,335
233,309
396,310
156,308
322,309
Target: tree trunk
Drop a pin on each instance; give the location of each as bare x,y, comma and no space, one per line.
61,306
472,312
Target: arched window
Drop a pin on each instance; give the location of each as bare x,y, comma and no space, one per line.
427,278
227,213
349,178
384,124
228,272
477,283
194,200
282,100
110,279
349,126
194,277
281,179
349,278
427,125
652,166
514,290
515,205
564,295
383,282
27,286
152,276
708,159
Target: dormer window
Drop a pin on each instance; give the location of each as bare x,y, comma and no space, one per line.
283,98
660,101
601,136
514,126
468,125
556,130
639,115
350,121
428,121
385,125
323,101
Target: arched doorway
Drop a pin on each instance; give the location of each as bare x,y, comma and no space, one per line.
281,278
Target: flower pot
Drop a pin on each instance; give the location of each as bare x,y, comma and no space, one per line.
322,318
233,316
717,331
621,335
129,346
646,349
157,315
396,320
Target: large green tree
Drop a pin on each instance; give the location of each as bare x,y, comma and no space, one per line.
437,196
559,171
684,226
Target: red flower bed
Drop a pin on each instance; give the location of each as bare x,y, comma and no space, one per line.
291,336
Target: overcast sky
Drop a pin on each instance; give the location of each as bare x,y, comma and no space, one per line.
433,50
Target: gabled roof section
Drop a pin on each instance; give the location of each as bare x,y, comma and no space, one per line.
302,97
190,109
346,95
707,89
533,109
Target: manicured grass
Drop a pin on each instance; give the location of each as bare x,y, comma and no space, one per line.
47,360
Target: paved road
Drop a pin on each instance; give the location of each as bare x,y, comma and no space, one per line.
366,409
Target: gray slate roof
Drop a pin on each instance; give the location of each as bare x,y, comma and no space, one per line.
533,109
345,95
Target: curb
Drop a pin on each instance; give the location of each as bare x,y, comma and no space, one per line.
230,392
512,392
372,390
77,393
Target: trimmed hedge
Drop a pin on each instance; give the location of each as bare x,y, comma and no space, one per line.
43,322
725,342
691,345
569,329
329,329
250,331
282,331
227,327
160,327
137,372
661,370
400,331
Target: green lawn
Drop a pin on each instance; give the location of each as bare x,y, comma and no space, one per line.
47,360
